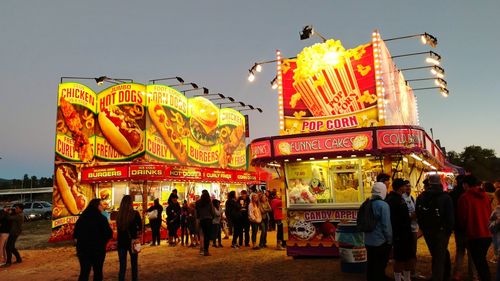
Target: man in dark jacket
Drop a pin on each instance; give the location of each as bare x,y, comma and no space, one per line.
173,218
436,219
16,223
474,209
233,213
92,232
401,230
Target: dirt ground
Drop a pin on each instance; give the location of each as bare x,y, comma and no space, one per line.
43,261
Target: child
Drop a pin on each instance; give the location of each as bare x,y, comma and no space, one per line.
184,229
216,224
191,225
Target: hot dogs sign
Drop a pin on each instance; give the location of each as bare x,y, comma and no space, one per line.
155,123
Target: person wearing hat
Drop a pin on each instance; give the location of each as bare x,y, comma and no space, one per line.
378,242
474,211
435,217
401,230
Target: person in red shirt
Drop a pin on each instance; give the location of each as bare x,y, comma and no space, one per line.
474,210
277,206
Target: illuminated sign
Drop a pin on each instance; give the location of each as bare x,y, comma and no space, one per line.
326,143
105,173
329,88
147,172
260,149
394,138
75,125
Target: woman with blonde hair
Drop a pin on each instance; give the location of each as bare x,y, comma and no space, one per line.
129,225
265,209
255,217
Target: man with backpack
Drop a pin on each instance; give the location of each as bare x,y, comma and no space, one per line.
374,219
436,219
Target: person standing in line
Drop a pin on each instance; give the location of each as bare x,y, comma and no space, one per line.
234,215
216,225
205,214
92,233
410,204
4,234
435,217
173,219
255,217
378,242
277,207
191,225
184,225
460,236
245,223
129,226
494,226
155,222
266,210
401,230
15,220
474,210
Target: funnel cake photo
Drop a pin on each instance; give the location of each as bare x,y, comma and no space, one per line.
326,81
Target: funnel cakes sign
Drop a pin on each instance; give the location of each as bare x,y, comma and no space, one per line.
329,88
327,143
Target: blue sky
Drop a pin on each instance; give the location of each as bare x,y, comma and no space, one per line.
213,43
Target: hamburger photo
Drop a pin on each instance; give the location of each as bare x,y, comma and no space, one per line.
204,121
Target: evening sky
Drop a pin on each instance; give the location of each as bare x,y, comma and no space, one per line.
214,43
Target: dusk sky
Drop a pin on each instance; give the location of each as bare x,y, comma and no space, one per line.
214,43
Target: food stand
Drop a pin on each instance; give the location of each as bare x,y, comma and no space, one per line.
345,116
145,141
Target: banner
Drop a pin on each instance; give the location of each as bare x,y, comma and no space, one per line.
121,122
167,125
329,88
232,139
69,199
76,119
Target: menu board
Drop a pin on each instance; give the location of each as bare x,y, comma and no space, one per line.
76,120
329,88
120,130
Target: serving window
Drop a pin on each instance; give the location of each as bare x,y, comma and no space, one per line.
328,183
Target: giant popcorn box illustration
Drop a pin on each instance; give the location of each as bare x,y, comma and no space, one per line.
326,81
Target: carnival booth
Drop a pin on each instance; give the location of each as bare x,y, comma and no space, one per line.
143,141
345,116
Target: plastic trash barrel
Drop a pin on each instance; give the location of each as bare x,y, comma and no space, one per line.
352,249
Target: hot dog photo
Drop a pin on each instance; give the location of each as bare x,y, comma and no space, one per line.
69,196
121,122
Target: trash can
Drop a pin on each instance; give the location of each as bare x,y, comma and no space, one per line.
352,249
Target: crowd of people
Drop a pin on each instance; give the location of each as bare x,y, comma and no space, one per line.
398,218
201,223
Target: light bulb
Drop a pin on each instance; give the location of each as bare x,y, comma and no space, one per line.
258,67
251,77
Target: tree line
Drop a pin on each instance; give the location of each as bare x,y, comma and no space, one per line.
481,162
27,182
